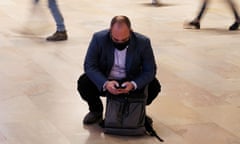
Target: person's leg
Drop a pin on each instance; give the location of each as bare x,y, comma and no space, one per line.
202,10
59,20
235,25
52,4
196,22
91,95
154,88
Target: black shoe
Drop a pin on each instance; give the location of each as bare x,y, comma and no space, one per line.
58,36
92,117
234,26
192,25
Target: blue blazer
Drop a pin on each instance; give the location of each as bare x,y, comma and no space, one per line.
140,61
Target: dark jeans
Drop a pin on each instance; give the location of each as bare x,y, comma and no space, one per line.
91,94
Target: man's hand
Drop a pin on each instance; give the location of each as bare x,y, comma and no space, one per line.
111,86
115,88
128,86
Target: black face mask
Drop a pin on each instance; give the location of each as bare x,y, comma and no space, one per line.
120,46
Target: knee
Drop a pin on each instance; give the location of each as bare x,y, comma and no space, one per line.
80,83
159,87
155,85
154,88
86,87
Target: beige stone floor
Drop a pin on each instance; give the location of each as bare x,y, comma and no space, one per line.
199,71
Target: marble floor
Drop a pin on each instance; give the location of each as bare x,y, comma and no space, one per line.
199,71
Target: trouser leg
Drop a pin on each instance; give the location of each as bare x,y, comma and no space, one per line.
90,93
154,88
52,4
202,10
234,9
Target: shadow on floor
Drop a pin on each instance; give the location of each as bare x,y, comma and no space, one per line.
220,31
96,133
157,5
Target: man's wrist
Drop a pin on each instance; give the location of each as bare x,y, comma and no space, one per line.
104,86
134,85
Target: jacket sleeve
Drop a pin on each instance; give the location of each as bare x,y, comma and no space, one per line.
91,63
148,71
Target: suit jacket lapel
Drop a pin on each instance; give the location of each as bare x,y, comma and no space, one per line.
110,56
130,55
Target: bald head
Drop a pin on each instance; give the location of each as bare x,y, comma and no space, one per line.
120,29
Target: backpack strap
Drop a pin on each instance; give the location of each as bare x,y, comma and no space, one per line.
150,130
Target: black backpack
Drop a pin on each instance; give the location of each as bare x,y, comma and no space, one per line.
126,115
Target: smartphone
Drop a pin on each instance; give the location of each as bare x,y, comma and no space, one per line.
120,86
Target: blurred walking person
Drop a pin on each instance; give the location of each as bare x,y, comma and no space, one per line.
155,2
61,33
195,24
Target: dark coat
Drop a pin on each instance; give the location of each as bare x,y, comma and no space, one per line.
140,62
